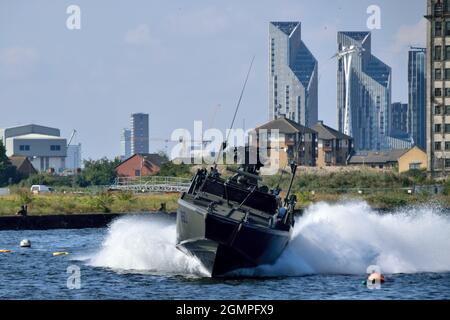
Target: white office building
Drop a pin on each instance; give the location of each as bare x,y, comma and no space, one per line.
43,146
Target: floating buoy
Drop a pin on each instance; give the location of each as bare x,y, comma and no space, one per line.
55,254
5,251
25,243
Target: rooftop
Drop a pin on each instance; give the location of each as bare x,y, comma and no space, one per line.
327,133
285,126
286,27
37,136
378,157
356,35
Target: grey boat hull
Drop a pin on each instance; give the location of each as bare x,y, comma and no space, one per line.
223,244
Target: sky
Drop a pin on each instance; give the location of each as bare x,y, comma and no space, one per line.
177,60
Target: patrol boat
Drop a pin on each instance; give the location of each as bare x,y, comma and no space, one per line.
234,223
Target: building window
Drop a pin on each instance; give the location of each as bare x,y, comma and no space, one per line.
447,110
438,28
447,163
438,74
24,147
437,110
438,92
447,145
447,28
414,166
437,128
137,173
447,52
55,148
447,92
273,55
437,146
447,128
438,53
447,74
287,99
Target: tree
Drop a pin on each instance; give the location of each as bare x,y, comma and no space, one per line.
8,173
170,169
98,172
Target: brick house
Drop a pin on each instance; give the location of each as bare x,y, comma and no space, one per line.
23,165
140,165
295,141
333,147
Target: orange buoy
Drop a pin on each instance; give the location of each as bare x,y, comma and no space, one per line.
375,277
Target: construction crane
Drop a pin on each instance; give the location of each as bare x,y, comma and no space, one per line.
71,137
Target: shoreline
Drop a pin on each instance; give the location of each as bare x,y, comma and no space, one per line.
68,221
100,220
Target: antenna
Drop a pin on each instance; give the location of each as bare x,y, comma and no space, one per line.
223,146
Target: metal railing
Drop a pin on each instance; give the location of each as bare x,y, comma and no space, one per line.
151,184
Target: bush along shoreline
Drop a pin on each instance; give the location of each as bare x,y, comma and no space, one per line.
74,203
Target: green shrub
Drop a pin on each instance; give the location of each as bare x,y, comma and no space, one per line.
125,196
24,196
103,201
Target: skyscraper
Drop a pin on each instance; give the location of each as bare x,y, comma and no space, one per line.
293,79
369,94
125,144
417,96
139,133
399,120
438,87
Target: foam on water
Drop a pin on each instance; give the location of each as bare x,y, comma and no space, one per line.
342,238
144,243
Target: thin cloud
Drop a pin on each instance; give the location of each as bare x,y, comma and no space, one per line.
410,35
18,56
200,22
18,62
139,35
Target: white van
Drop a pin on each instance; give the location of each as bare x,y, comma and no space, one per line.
40,188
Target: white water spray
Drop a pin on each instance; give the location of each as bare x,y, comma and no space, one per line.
342,238
145,244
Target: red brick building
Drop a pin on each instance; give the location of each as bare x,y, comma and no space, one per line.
140,165
23,165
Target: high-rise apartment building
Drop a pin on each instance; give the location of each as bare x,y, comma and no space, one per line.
368,96
125,144
139,133
417,96
438,87
399,120
293,75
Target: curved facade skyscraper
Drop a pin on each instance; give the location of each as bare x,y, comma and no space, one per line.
293,75
369,94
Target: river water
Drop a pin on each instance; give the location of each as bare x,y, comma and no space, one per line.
332,246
